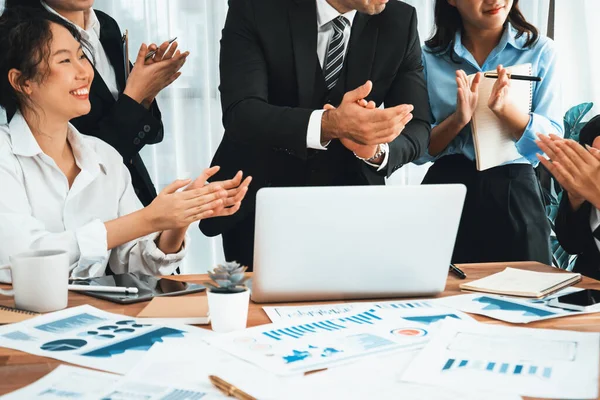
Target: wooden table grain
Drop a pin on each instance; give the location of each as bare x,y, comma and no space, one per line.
18,369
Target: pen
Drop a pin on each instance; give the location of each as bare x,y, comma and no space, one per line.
229,389
153,52
111,289
513,76
457,271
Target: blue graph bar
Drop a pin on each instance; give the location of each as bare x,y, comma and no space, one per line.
462,363
448,364
532,370
503,368
490,366
547,372
518,369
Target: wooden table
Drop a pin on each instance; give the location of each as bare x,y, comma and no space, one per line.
18,369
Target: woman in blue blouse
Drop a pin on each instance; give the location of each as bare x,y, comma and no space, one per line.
503,218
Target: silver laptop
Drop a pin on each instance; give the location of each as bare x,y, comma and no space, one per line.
355,242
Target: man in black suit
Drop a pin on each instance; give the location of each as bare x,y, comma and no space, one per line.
282,62
124,113
578,219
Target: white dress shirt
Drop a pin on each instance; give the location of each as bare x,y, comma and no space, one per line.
595,223
325,15
91,34
38,210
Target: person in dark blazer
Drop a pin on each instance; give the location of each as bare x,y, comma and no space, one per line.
124,112
281,63
578,171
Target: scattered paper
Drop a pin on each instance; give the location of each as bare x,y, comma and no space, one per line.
93,338
67,382
167,363
505,308
531,362
290,347
412,308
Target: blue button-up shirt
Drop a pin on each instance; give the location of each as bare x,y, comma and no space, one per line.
545,115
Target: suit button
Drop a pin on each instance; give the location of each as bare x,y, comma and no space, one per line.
136,141
146,128
141,135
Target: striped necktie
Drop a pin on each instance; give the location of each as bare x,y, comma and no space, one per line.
334,59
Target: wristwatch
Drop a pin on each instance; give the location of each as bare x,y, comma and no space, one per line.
381,150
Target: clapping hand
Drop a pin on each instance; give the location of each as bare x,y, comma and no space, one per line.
235,188
499,96
149,76
575,168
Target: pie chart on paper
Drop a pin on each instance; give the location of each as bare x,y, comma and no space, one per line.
64,345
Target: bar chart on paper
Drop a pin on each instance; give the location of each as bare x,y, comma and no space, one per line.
495,367
70,323
300,330
335,310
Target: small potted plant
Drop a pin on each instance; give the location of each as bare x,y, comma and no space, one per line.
228,297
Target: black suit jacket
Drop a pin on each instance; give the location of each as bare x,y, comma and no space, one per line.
123,123
573,229
574,234
267,64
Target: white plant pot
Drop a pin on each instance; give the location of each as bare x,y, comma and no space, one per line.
228,311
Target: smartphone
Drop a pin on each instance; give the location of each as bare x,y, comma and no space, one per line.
583,300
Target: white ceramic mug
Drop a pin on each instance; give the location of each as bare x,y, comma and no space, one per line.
40,280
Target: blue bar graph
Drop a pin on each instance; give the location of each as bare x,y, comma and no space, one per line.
520,369
412,304
297,331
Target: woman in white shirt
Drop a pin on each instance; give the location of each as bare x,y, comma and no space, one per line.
65,190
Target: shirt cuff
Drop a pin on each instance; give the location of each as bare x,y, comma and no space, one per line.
313,133
153,257
526,145
386,154
92,242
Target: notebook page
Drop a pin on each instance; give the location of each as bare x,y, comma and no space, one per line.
494,142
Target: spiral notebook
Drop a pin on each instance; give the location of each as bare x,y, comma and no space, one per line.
10,315
494,141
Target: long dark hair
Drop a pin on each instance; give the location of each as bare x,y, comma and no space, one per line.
25,40
8,4
448,21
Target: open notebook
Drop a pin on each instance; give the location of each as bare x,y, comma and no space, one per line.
522,283
494,142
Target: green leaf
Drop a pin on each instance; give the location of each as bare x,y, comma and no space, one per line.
573,118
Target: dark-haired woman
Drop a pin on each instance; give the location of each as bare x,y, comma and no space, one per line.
124,112
64,190
503,217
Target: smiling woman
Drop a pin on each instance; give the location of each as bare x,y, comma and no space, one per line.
64,190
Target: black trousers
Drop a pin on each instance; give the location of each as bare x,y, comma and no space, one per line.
503,217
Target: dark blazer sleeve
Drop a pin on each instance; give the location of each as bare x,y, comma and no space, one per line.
573,227
125,124
409,87
247,115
